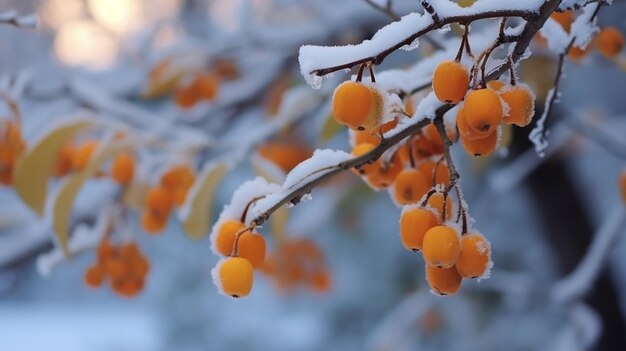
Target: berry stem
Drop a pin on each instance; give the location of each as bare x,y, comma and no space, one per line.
235,252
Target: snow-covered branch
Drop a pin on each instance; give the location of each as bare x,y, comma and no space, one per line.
22,21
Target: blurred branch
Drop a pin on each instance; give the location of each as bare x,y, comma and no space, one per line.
580,281
13,19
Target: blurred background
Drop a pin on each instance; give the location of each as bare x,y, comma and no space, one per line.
106,59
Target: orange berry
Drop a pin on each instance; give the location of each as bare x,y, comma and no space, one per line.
475,255
320,281
495,84
115,268
127,287
252,248
610,42
234,276
94,276
450,82
565,19
521,101
206,86
224,239
439,176
176,177
83,154
441,246
129,250
285,155
414,224
123,168
465,131
435,201
403,154
357,106
159,202
443,281
432,134
105,250
386,172
140,265
422,147
186,97
481,147
483,110
361,150
410,186
152,224
366,137
575,53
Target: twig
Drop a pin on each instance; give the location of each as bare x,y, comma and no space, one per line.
387,10
538,133
454,174
378,58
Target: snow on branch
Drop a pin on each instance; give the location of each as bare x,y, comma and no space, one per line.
309,174
318,61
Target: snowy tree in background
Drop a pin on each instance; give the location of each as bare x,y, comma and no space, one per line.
439,120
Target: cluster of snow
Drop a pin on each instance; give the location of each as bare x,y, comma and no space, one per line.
322,162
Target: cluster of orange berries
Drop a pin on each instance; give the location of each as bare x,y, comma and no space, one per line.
171,191
124,265
243,251
449,257
298,263
483,110
75,157
609,41
11,147
203,87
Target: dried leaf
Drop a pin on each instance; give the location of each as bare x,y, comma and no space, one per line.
35,167
196,212
63,202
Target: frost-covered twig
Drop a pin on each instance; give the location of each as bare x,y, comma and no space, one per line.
538,133
454,174
580,281
296,193
23,21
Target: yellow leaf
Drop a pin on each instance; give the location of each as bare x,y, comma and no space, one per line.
330,129
135,195
35,167
64,199
196,212
278,223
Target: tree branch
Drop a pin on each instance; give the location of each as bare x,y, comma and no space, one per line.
466,19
